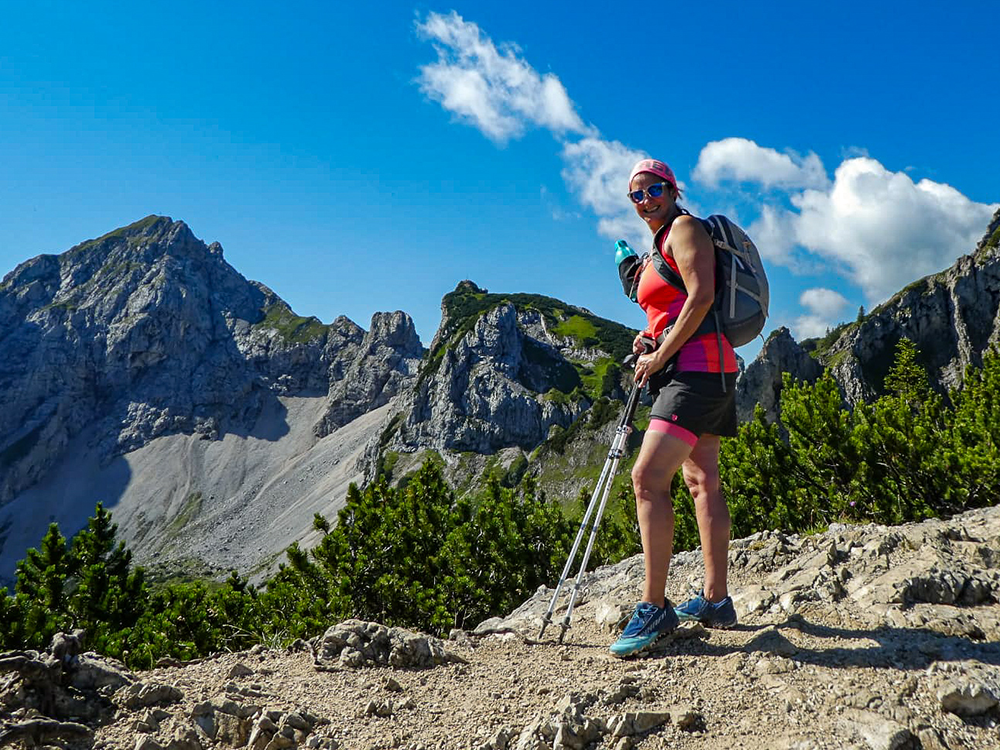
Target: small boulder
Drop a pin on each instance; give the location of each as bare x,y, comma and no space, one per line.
967,697
239,670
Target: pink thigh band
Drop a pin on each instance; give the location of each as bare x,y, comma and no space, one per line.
669,428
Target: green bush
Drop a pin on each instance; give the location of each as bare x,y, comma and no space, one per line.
417,556
909,455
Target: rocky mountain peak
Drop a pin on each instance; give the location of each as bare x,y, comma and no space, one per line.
386,361
144,241
761,381
396,331
147,331
469,286
452,309
991,239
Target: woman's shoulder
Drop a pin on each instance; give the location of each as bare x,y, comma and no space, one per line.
687,223
687,230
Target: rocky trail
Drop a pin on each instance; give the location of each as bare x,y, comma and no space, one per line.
860,637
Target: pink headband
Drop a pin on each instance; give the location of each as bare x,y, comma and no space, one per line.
655,167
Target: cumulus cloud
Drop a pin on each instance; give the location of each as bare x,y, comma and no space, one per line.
825,307
742,160
876,228
879,228
596,171
489,86
770,234
492,88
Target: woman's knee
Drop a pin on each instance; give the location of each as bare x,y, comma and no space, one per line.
704,486
647,480
650,488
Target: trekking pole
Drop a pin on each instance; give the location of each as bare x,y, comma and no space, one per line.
598,499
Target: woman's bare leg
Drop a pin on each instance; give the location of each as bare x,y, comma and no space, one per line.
659,459
701,474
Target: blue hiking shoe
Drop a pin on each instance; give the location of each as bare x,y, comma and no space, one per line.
719,615
648,624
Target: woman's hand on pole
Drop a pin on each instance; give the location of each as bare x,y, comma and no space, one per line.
646,365
639,344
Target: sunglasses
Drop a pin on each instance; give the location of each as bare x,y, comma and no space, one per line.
654,191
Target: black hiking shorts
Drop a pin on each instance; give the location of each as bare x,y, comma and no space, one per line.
695,401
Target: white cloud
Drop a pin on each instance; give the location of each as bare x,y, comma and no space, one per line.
491,87
597,171
876,228
777,244
742,160
822,301
881,230
825,308
494,89
770,234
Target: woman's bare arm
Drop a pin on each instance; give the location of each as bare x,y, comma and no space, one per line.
694,254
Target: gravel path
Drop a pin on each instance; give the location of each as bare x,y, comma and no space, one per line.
862,637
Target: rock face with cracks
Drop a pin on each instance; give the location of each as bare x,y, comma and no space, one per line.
761,382
486,394
861,638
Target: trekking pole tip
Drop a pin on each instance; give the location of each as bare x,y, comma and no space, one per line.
546,621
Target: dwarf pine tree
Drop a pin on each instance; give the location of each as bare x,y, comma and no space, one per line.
820,435
109,594
89,584
901,468
382,560
506,543
761,480
10,619
975,435
907,379
40,587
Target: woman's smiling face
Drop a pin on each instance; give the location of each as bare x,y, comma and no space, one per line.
654,211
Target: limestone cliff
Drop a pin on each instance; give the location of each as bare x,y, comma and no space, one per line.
760,382
502,374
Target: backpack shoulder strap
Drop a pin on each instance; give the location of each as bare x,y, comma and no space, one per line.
663,268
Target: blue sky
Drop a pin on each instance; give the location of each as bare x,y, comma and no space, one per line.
361,158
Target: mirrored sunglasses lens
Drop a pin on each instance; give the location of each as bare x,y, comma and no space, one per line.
636,196
655,191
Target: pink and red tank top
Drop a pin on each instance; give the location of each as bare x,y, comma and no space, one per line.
662,304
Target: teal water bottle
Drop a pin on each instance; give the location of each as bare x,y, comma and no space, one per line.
623,251
628,273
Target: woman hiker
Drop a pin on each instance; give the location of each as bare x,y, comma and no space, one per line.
691,411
